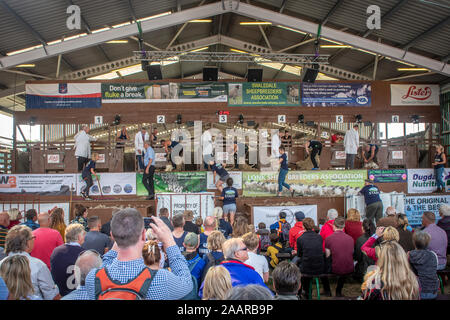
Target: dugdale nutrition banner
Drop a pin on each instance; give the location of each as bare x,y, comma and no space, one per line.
424,180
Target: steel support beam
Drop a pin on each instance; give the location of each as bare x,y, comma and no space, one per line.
427,33
126,31
346,38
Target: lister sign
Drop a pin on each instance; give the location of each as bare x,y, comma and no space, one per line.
414,94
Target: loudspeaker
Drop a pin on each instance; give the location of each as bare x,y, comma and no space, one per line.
254,75
154,72
310,74
210,73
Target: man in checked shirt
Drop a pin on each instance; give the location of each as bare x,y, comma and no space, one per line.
124,261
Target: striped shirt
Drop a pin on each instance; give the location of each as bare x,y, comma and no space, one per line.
166,285
3,233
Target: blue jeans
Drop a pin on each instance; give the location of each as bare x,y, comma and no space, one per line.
439,181
140,161
281,177
428,296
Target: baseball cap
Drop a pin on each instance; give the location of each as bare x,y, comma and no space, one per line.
299,216
191,240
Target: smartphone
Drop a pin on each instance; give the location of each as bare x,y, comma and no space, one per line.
147,221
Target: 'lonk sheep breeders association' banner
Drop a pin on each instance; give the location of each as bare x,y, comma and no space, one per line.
424,180
327,183
177,182
336,94
163,92
63,95
264,94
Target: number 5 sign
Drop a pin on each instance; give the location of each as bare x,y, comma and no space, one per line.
161,119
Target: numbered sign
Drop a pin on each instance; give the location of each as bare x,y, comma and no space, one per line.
223,118
340,119
281,118
161,119
98,119
395,119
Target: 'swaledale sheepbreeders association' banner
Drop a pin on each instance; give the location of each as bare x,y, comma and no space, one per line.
63,95
163,92
264,94
415,94
336,94
327,183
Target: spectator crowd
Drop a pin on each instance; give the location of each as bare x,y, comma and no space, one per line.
220,257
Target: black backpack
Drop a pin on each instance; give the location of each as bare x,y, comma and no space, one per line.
211,263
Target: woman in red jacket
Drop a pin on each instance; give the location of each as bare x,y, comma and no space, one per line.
388,234
327,228
353,224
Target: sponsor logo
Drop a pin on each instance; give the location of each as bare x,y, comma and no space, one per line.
8,182
62,88
362,100
418,93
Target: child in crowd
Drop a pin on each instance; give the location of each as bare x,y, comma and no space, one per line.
274,249
263,235
87,173
424,263
219,169
199,223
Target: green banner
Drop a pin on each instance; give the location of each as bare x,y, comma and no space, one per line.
388,176
264,94
328,183
163,92
178,182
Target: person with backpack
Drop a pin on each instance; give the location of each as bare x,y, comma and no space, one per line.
215,255
124,275
274,249
263,235
282,228
195,263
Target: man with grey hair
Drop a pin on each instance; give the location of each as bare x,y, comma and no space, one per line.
123,264
63,258
444,222
87,260
20,241
327,228
83,147
389,220
236,253
250,292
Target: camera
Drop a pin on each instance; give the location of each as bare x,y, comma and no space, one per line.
147,221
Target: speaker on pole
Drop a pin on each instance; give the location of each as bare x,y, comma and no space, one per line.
310,74
154,72
254,74
210,73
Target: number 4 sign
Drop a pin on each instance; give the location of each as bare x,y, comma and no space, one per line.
281,118
161,119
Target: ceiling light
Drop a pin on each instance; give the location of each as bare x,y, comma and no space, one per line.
199,49
117,41
254,23
335,46
155,16
29,65
412,69
239,51
290,29
201,21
